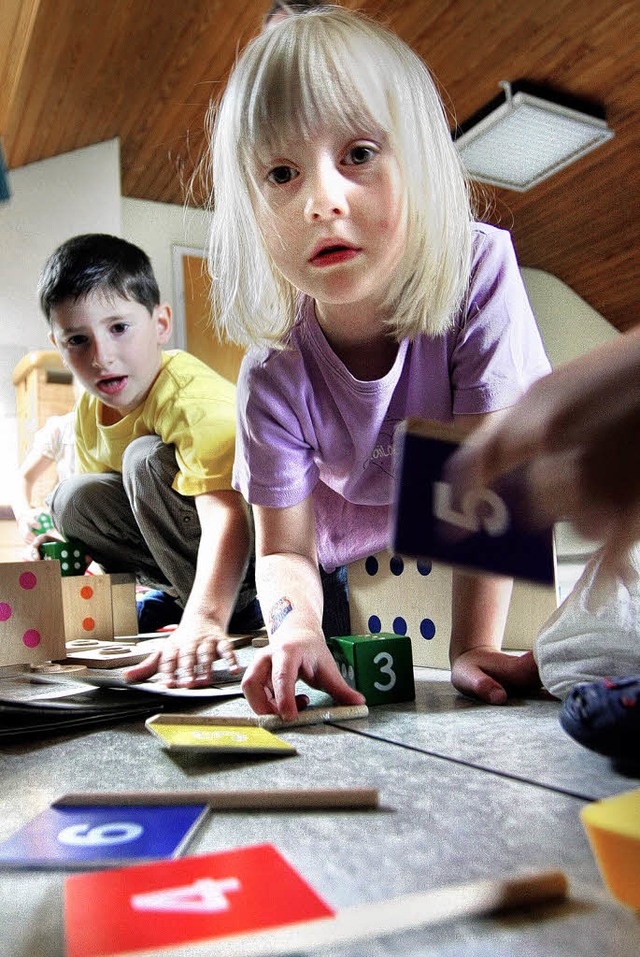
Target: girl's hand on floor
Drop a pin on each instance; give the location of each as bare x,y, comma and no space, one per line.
493,676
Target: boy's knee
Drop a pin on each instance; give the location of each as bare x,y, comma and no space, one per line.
148,455
137,454
72,497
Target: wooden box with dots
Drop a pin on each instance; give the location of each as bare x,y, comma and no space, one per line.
388,593
408,596
86,602
31,619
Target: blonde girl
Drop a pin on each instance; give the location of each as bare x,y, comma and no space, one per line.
344,252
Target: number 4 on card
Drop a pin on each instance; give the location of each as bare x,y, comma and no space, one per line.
173,903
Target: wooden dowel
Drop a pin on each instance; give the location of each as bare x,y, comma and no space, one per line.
276,800
270,722
389,917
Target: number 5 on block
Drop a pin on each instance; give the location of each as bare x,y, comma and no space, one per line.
379,666
487,529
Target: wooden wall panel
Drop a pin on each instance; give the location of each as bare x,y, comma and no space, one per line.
146,71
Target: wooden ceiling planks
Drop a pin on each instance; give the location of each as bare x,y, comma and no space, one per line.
145,72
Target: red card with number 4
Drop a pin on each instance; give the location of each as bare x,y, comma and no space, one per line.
152,906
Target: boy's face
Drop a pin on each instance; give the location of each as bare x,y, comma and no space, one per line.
112,345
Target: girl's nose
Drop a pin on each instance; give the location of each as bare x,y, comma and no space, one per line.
327,197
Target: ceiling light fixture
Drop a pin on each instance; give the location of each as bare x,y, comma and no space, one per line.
521,138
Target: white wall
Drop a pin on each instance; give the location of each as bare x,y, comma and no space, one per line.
568,325
158,228
50,201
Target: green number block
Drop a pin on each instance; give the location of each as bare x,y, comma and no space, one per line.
42,523
71,555
379,666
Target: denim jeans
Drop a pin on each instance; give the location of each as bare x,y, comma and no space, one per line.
335,617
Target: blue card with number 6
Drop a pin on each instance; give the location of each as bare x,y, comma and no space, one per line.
81,838
484,530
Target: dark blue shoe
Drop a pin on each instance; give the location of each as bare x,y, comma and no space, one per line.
605,717
157,609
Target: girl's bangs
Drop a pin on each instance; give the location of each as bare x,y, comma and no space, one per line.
288,101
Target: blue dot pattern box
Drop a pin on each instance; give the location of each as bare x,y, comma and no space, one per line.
389,593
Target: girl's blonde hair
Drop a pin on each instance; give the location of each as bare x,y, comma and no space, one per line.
335,68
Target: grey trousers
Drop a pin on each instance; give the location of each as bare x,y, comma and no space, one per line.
136,522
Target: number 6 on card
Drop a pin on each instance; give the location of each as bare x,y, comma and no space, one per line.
481,529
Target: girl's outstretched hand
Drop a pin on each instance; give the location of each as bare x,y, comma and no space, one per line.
269,682
493,676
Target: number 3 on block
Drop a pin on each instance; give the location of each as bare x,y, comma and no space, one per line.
385,669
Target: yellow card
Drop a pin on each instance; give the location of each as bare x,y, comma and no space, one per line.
225,738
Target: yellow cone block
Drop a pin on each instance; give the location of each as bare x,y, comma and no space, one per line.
613,828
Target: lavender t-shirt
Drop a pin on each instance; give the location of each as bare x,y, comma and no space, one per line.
306,426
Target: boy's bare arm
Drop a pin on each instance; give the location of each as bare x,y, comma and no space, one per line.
33,466
201,636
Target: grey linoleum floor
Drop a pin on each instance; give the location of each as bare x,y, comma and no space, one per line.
467,792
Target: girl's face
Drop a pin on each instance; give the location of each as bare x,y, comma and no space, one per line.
332,216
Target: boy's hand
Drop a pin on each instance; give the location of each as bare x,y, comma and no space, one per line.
32,553
186,659
269,683
27,522
492,675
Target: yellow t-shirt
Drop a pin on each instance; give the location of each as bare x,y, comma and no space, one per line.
188,406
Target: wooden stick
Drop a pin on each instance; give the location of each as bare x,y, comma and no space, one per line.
277,800
270,722
388,917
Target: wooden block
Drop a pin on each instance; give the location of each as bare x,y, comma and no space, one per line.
123,604
403,596
409,596
103,654
31,618
380,666
86,600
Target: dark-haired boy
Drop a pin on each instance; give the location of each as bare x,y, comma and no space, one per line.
155,436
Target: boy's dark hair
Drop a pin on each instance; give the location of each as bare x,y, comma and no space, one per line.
97,261
293,7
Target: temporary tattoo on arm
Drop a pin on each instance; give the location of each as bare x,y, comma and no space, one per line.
279,612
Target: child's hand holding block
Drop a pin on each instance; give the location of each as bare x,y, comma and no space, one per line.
42,523
379,666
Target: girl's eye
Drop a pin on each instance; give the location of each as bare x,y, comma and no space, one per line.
281,175
119,327
74,342
359,154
